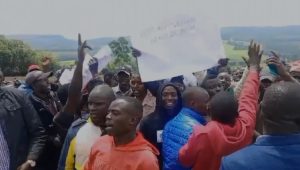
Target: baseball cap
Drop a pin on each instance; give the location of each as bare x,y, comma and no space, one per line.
32,76
33,67
125,70
267,76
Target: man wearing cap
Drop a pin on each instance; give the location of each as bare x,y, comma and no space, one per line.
266,80
123,89
25,88
47,107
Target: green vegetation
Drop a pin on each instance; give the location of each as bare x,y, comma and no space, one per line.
67,63
285,40
16,56
121,53
234,54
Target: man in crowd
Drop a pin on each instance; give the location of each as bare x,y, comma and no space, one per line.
25,88
229,130
140,92
266,79
22,136
75,106
279,147
225,80
213,86
110,79
237,74
76,124
168,105
123,148
124,82
47,107
178,130
80,146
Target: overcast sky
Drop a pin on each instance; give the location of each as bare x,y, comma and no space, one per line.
96,18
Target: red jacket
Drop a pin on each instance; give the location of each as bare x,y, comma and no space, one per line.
208,144
136,155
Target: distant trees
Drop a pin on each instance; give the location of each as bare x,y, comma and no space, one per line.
16,56
122,54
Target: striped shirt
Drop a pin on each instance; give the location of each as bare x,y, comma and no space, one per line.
4,152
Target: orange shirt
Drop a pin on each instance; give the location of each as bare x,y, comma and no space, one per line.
136,155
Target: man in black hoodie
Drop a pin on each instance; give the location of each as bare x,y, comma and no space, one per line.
168,105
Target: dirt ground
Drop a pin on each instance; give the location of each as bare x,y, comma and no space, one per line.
14,78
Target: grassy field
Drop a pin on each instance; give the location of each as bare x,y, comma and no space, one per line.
234,54
67,63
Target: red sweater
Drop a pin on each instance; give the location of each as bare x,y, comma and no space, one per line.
208,144
136,155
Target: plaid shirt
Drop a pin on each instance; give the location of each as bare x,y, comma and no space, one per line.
4,152
119,93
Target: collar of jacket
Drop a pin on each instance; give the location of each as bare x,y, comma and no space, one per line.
193,114
278,140
1,91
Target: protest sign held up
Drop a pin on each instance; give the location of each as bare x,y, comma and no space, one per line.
179,45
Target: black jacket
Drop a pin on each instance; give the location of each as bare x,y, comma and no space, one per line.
21,126
152,125
49,159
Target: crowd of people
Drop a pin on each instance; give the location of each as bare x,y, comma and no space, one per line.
218,119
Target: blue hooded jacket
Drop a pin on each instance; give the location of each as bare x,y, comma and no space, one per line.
176,133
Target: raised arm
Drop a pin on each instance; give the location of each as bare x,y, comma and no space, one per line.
248,101
66,116
282,72
76,83
240,84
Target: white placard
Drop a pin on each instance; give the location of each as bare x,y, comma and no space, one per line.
177,46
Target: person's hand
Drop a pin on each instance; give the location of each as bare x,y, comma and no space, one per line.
275,60
46,61
81,49
135,52
93,66
223,62
255,54
25,166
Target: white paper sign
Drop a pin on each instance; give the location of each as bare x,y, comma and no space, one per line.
66,76
104,56
176,46
86,73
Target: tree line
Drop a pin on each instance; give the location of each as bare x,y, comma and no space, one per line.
16,56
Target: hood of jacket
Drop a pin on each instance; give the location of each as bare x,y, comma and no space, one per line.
160,109
138,144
